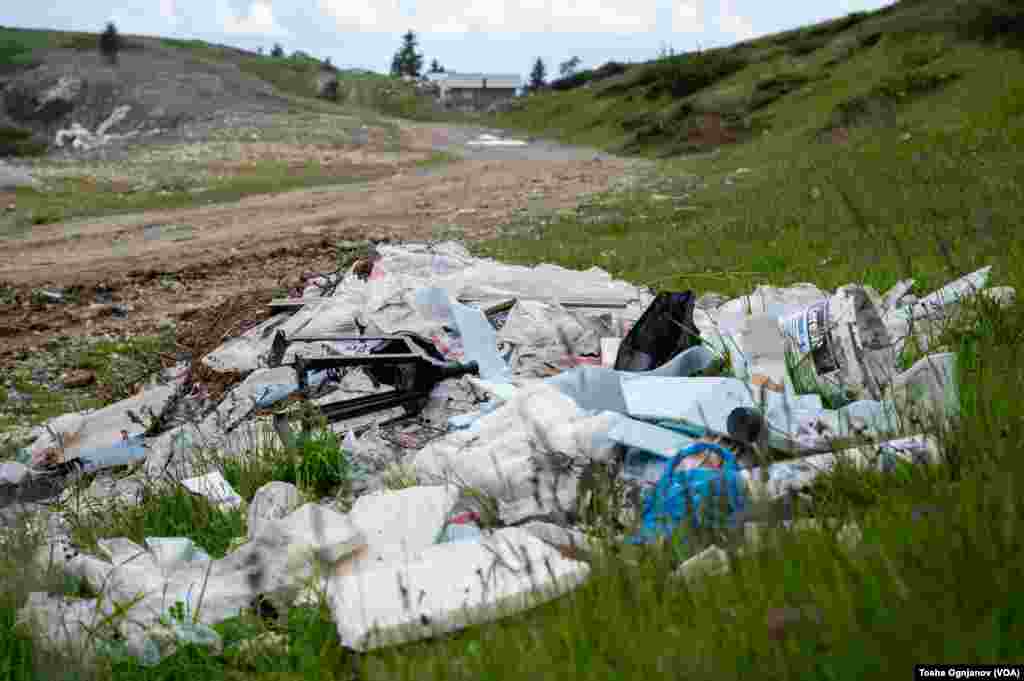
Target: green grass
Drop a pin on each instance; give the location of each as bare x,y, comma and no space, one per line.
164,512
16,46
78,198
316,463
19,142
776,84
119,365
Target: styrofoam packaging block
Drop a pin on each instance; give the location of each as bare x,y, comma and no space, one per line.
448,587
315,529
398,524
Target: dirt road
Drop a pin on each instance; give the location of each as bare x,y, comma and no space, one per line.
163,264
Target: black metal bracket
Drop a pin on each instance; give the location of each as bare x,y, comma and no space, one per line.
408,363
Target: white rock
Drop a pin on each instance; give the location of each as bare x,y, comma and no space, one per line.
116,116
447,587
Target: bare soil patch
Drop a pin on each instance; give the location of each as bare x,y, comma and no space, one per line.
167,264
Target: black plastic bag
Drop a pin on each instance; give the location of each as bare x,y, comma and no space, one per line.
663,331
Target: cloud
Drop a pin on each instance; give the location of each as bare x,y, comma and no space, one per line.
736,25
169,11
496,16
259,21
688,16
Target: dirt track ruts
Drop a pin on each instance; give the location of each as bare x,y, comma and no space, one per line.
228,247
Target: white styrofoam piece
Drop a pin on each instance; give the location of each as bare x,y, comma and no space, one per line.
314,529
447,587
398,523
214,487
609,351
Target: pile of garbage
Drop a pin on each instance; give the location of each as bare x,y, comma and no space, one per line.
485,380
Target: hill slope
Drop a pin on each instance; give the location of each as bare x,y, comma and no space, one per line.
51,79
862,69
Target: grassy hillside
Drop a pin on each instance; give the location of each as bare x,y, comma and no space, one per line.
295,75
863,69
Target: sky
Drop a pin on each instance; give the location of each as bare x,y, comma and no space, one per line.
493,36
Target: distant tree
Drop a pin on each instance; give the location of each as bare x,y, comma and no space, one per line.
110,42
277,51
407,61
327,61
538,75
568,67
259,50
435,67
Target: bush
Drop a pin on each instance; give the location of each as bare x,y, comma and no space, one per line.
681,75
19,142
1001,22
771,89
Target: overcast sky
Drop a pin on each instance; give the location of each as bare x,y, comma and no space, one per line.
501,36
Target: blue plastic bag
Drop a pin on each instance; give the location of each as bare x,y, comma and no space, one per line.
683,493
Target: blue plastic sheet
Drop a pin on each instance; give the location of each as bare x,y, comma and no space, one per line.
479,339
688,494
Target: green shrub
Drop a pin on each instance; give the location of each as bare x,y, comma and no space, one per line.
315,462
19,142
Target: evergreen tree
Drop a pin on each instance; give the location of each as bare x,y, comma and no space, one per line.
435,67
278,51
407,61
110,43
538,75
567,68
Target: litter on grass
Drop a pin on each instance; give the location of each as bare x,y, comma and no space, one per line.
469,397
